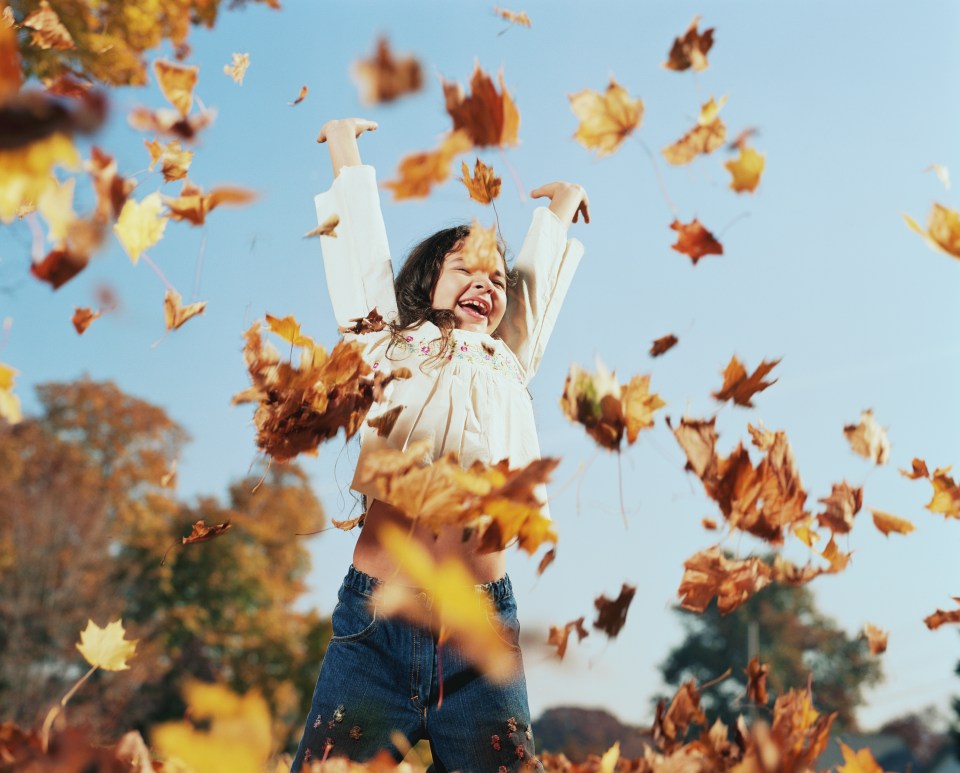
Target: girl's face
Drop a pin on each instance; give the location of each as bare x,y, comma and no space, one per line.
478,299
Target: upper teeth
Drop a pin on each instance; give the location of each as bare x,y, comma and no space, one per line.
479,305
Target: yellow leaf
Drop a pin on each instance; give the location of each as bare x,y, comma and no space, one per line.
418,172
480,251
9,402
105,647
605,119
140,225
238,67
458,612
236,735
708,135
175,161
861,761
175,313
638,406
519,18
55,204
288,329
176,82
608,762
943,229
888,523
746,170
27,172
946,494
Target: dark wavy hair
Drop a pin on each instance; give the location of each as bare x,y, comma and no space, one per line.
418,277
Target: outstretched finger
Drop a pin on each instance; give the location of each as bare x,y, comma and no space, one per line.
584,208
542,191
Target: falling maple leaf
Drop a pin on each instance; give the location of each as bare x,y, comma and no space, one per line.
740,387
842,505
690,51
384,78
868,439
606,120
327,228
859,761
670,725
694,240
372,323
69,258
837,558
519,18
746,170
200,532
457,613
106,648
757,681
174,160
83,317
799,734
606,409
919,470
111,188
193,204
612,613
488,117
709,134
876,639
47,29
176,314
560,634
946,494
887,523
663,344
943,229
709,574
300,97
383,423
9,402
288,329
480,251
237,67
419,172
177,82
140,225
484,185
166,121
940,617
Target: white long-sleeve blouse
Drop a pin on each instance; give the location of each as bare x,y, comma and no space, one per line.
473,399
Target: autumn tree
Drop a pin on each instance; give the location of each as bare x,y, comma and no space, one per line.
796,641
87,520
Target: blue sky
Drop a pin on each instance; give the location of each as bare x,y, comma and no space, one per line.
851,102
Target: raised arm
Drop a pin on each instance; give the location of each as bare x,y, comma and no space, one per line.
545,266
357,259
341,134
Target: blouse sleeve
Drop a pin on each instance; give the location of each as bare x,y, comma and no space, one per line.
546,264
357,260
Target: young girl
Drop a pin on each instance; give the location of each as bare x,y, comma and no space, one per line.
472,340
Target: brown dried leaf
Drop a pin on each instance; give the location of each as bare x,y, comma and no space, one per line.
201,532
612,613
710,574
560,635
868,439
175,314
177,82
300,97
349,523
694,240
519,18
174,160
709,134
112,190
488,117
384,422
372,323
886,523
842,505
484,186
670,726
919,470
384,78
940,617
192,205
83,317
47,29
548,558
740,387
876,639
166,121
663,344
946,494
690,51
326,228
757,681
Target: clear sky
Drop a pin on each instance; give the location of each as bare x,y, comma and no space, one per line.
852,101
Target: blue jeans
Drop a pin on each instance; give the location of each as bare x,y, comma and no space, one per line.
380,677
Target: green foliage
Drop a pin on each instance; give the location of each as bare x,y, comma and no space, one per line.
797,642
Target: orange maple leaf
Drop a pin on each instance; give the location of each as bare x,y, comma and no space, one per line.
694,240
484,185
876,639
842,505
68,259
663,344
419,172
946,494
175,313
384,78
480,250
174,160
560,634
886,523
940,617
606,120
193,204
757,681
670,725
740,387
746,170
201,532
709,134
919,470
289,330
488,117
690,51
709,574
83,317
177,82
943,229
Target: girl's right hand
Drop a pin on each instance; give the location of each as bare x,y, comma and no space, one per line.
351,127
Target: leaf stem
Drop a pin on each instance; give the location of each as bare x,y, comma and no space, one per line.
663,186
58,708
156,269
514,175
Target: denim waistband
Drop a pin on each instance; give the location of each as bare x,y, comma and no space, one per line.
498,590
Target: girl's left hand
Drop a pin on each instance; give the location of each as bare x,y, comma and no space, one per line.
567,201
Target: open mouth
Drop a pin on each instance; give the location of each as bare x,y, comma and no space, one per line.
475,308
